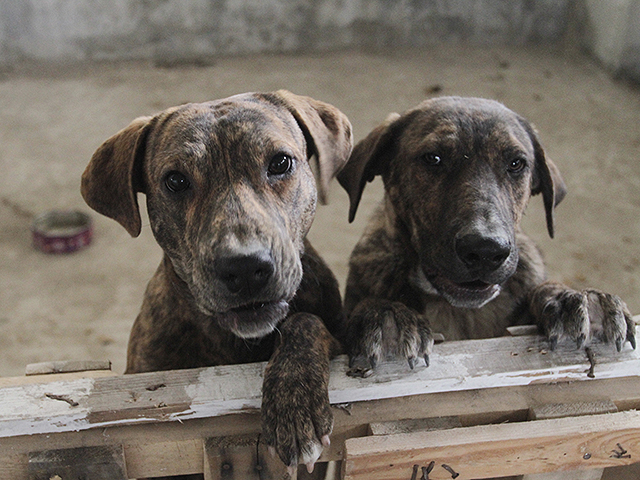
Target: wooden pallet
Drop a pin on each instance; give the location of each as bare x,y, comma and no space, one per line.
471,410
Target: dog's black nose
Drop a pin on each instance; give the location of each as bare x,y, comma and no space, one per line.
481,253
247,274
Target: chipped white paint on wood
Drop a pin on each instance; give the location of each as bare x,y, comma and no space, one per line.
477,364
154,397
44,408
222,390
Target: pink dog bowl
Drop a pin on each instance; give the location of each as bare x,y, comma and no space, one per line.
62,231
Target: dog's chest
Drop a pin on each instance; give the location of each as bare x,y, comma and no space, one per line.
455,323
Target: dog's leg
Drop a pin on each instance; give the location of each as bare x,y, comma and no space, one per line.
296,414
378,328
581,315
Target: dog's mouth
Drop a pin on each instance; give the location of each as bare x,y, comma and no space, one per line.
254,320
474,294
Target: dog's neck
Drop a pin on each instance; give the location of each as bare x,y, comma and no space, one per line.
397,229
178,287
399,232
390,223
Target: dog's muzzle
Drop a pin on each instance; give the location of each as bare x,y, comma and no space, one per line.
254,320
481,265
247,277
473,294
246,291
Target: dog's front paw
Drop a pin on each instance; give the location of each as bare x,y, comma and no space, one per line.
582,315
296,414
380,329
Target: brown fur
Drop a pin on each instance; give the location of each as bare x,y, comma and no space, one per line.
445,252
231,196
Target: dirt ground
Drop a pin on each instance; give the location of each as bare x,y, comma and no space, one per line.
81,306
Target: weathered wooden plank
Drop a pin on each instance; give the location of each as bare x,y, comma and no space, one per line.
413,425
183,442
561,410
96,463
479,364
152,456
576,409
478,381
87,403
66,366
579,443
575,475
54,377
520,330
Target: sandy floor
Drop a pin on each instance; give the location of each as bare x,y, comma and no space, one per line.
82,306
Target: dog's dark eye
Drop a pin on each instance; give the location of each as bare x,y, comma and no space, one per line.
516,165
280,164
176,182
432,159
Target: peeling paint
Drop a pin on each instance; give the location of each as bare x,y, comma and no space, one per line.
91,403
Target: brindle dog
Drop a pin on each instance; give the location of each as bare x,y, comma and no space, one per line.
231,196
445,252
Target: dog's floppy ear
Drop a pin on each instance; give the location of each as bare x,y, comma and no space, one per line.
546,180
113,177
328,134
367,160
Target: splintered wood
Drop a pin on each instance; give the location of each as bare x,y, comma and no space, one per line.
178,422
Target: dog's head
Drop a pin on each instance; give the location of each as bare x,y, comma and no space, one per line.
230,195
458,173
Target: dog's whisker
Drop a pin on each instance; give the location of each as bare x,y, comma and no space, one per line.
277,330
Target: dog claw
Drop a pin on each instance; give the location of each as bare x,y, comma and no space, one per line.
360,366
326,441
412,361
426,360
373,361
632,340
553,342
360,372
619,344
310,467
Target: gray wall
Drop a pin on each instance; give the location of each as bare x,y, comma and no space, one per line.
187,30
175,31
612,34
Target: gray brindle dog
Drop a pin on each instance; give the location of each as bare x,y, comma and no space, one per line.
231,196
445,252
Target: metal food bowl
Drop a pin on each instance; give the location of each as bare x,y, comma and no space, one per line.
62,231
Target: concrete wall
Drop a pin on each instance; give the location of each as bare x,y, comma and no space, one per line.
176,31
611,31
192,30
630,58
